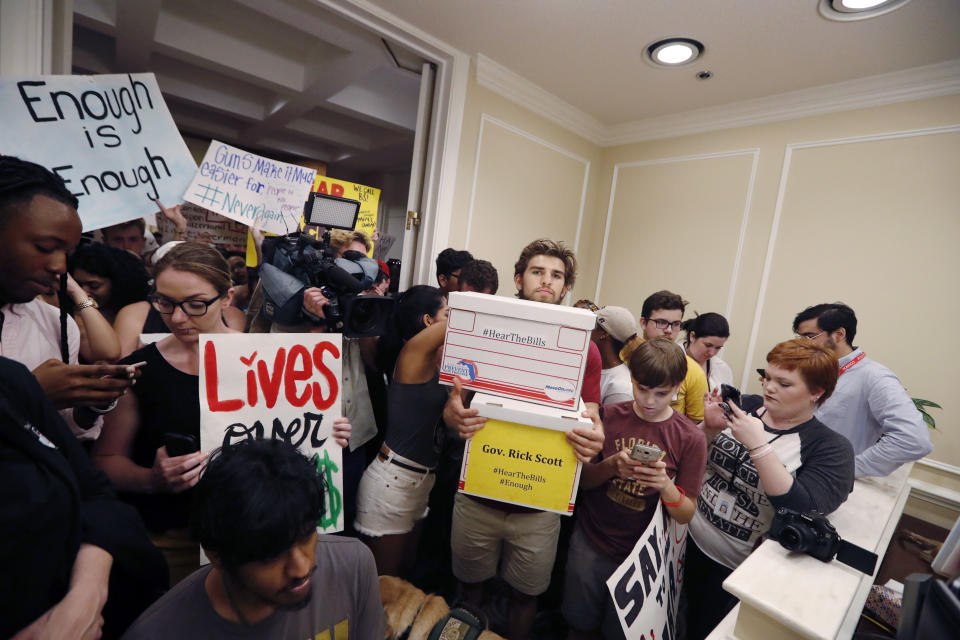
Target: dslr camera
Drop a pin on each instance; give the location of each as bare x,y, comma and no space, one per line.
809,533
812,534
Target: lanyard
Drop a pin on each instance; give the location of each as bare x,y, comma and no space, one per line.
850,364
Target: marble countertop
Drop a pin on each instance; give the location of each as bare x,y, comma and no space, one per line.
812,599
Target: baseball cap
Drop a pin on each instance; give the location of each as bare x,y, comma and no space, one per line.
618,322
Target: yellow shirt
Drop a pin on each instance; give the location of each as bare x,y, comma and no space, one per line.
689,399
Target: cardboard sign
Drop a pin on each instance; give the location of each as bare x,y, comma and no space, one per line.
111,139
284,386
521,456
520,349
646,587
253,190
369,198
207,227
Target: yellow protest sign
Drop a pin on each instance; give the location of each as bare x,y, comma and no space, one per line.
523,465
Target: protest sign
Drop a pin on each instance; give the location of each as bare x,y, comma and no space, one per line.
110,137
280,386
256,191
522,456
206,226
520,349
646,587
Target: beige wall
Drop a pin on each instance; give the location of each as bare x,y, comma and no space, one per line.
860,206
521,177
866,205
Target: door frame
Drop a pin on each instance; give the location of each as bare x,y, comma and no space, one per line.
446,123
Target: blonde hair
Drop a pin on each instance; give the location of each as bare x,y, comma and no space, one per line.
340,239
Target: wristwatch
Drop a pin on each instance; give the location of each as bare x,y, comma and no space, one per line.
89,302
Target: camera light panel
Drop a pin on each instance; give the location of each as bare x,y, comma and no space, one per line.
331,212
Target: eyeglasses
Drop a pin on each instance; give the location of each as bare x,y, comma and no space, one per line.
810,335
194,308
663,324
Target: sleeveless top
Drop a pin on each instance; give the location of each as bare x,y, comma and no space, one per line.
415,430
168,401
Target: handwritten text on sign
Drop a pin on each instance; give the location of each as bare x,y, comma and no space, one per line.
111,138
646,587
259,192
280,386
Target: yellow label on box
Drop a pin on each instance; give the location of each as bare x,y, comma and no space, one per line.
522,465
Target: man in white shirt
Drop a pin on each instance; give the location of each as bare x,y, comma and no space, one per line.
39,227
615,326
869,406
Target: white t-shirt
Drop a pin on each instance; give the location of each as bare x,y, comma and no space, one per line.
616,385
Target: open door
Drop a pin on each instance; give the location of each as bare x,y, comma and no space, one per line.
411,233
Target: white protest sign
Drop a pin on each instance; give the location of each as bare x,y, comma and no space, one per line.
111,138
207,227
281,386
257,191
646,587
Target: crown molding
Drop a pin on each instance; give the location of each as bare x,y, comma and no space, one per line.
518,89
899,86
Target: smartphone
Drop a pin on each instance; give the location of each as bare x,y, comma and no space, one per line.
179,444
729,394
646,453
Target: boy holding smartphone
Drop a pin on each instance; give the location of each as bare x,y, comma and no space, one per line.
651,453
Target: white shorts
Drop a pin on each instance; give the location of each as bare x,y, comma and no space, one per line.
391,499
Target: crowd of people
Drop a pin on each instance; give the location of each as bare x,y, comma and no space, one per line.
108,501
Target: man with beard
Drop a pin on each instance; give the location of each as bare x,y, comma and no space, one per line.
869,407
255,514
484,530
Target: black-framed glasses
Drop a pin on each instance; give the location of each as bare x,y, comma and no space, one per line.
810,335
193,307
663,324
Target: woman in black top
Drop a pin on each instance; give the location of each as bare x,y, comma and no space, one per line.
395,488
192,287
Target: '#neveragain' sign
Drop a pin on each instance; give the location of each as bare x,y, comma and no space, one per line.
646,587
259,192
110,137
284,386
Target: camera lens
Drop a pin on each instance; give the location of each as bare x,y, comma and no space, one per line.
793,539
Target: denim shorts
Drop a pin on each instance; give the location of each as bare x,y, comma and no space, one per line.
391,499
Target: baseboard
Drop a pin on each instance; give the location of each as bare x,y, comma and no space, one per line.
933,502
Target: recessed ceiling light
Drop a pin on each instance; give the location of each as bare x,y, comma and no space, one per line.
847,10
673,52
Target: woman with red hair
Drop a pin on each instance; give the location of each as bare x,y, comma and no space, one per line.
767,453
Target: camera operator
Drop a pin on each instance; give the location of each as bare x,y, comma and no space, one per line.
770,452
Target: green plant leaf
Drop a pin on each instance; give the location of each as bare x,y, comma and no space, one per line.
920,402
929,420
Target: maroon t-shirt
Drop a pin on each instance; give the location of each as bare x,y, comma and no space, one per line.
616,513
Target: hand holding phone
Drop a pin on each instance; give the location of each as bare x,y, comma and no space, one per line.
729,394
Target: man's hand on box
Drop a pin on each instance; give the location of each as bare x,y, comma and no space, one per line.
587,442
458,417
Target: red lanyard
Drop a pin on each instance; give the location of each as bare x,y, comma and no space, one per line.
850,364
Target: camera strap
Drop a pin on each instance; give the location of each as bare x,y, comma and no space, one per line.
857,557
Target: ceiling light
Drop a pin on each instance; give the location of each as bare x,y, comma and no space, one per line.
847,10
673,52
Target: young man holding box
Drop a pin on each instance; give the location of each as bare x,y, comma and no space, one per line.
621,489
483,530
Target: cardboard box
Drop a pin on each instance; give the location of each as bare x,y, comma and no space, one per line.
531,351
521,456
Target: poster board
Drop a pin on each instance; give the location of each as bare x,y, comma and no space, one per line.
646,587
110,137
283,386
253,190
369,198
531,351
521,456
206,226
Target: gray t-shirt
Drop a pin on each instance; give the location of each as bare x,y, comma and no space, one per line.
344,604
